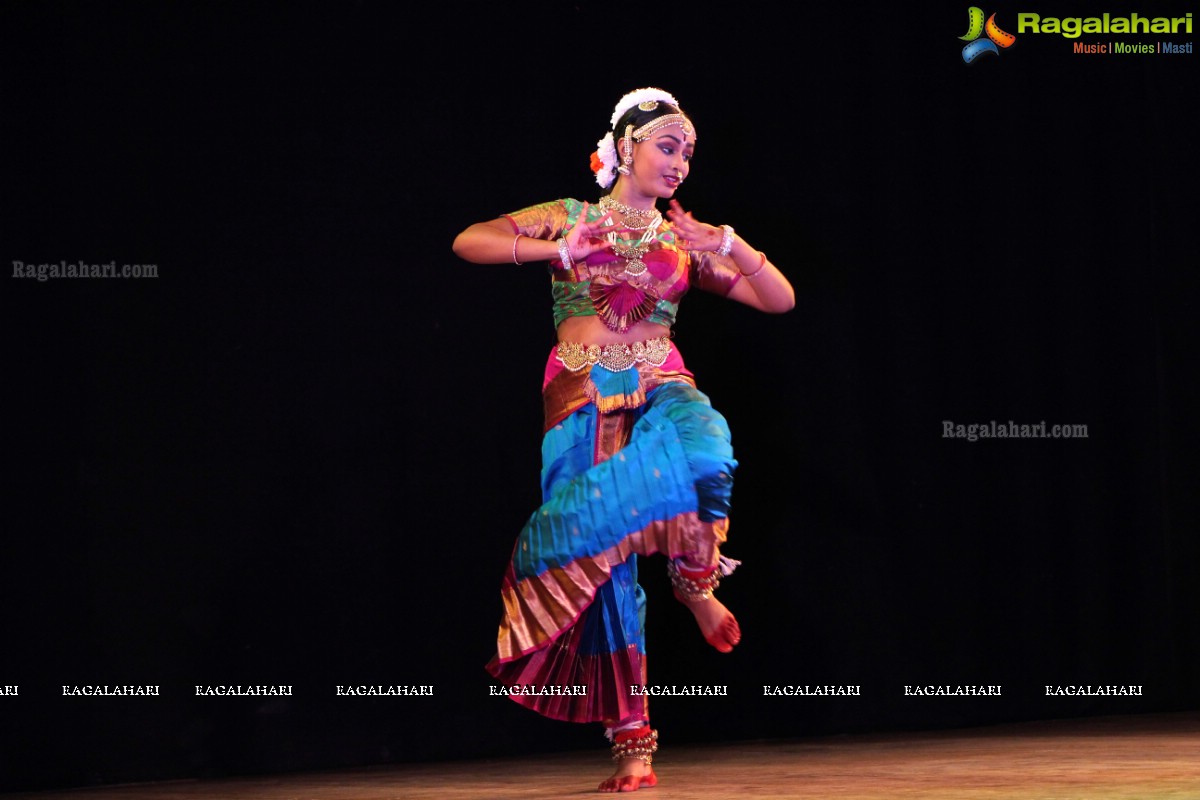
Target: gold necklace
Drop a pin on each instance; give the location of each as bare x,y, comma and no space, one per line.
633,252
636,219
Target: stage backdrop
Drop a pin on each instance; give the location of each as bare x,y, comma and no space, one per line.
294,445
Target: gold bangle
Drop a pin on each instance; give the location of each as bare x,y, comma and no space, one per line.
762,262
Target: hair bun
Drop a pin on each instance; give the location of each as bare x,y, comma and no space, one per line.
639,96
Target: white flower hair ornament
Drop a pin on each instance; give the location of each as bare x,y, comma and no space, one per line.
639,96
604,161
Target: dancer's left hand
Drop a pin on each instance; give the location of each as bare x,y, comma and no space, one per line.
691,233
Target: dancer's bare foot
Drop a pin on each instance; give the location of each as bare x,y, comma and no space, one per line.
631,775
633,750
716,622
694,588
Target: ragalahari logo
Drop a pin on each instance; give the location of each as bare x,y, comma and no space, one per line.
976,27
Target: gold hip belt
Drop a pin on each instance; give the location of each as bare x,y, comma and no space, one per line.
616,356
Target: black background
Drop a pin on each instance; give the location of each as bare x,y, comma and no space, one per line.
300,455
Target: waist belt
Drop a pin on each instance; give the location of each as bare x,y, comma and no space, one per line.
614,357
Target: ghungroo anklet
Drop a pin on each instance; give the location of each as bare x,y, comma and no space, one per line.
637,743
693,584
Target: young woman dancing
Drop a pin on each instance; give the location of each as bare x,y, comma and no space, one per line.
635,459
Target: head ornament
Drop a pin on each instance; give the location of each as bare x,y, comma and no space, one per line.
636,98
605,159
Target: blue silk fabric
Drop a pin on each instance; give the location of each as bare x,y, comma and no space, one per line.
651,479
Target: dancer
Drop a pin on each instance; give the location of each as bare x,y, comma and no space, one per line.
635,459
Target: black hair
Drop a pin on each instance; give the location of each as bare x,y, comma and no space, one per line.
637,118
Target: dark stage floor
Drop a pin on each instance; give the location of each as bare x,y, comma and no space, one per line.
1147,757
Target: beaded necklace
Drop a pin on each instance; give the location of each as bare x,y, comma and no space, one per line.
633,252
636,219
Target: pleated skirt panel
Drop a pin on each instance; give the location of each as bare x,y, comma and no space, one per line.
653,475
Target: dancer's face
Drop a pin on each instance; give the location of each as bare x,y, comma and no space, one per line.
661,162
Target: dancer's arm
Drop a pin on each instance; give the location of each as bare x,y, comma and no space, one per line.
762,285
495,242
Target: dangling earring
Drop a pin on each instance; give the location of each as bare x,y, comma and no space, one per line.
626,151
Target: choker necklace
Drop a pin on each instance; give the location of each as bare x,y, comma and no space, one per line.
636,219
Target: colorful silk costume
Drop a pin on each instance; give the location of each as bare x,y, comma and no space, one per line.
635,461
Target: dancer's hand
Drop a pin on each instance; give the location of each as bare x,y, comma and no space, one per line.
691,233
589,237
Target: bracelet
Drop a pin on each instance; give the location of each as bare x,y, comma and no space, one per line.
762,262
515,238
564,253
726,241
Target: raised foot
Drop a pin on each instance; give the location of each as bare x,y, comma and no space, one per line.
717,623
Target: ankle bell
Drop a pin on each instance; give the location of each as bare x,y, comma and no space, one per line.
693,584
637,743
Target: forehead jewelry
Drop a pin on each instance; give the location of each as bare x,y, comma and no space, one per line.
648,130
658,123
649,95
